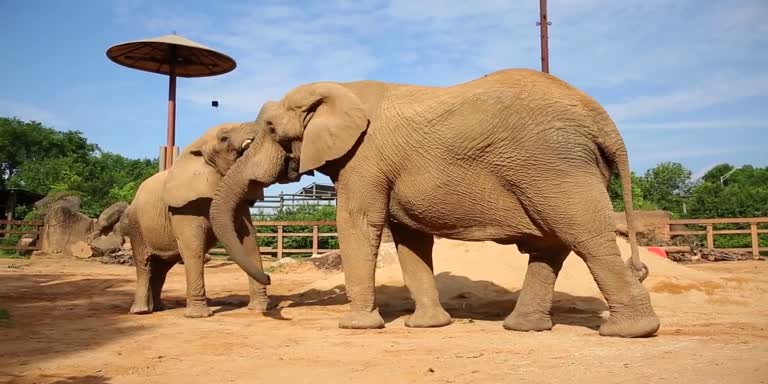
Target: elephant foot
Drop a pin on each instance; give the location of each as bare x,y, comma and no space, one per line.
362,320
428,318
259,305
140,309
527,322
197,311
159,306
630,326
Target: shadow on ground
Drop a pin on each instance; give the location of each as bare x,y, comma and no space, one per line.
470,303
53,315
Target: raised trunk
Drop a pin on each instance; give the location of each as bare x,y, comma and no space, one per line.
231,191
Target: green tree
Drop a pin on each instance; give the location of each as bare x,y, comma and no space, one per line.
743,194
616,193
43,160
666,186
23,142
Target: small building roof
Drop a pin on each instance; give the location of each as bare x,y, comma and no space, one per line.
318,189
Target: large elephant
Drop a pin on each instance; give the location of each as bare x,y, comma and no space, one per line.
516,157
168,221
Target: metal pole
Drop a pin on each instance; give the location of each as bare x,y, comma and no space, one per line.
543,24
171,138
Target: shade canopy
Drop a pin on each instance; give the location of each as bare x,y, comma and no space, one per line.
155,55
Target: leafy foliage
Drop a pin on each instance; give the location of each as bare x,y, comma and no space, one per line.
43,160
668,186
638,198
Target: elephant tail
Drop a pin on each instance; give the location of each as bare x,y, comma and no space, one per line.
612,145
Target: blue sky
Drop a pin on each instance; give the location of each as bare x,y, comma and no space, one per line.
685,80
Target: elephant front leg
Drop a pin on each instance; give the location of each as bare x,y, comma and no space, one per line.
359,239
192,248
532,311
414,250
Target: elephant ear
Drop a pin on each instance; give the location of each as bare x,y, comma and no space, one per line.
190,178
334,120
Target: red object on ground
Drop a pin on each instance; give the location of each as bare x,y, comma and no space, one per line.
658,251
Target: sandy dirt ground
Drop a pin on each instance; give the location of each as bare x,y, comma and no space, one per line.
70,324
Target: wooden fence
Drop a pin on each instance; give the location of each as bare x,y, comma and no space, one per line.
710,232
7,228
281,234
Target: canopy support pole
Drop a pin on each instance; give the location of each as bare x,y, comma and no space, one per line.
171,137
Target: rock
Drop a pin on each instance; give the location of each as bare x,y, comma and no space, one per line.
106,223
27,240
330,261
105,245
286,261
652,223
64,227
64,199
81,250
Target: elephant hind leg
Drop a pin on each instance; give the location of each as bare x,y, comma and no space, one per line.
588,229
414,250
532,311
160,270
631,313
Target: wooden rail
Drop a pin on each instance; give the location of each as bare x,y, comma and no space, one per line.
281,234
6,227
710,232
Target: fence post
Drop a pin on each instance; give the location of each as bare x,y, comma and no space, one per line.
279,241
710,237
755,241
315,239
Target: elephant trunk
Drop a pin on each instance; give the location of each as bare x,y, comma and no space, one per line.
231,191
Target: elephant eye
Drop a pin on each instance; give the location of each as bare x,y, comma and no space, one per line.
271,127
224,139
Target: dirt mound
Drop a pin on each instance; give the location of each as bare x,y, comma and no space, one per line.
483,273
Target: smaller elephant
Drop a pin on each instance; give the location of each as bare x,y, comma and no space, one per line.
168,222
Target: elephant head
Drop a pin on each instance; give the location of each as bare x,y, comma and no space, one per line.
199,169
316,123
263,163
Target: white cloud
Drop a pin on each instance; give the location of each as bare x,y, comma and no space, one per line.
629,47
697,97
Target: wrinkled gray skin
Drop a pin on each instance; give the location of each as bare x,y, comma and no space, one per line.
516,157
168,221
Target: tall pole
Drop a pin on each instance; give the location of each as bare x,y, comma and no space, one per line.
543,24
171,137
